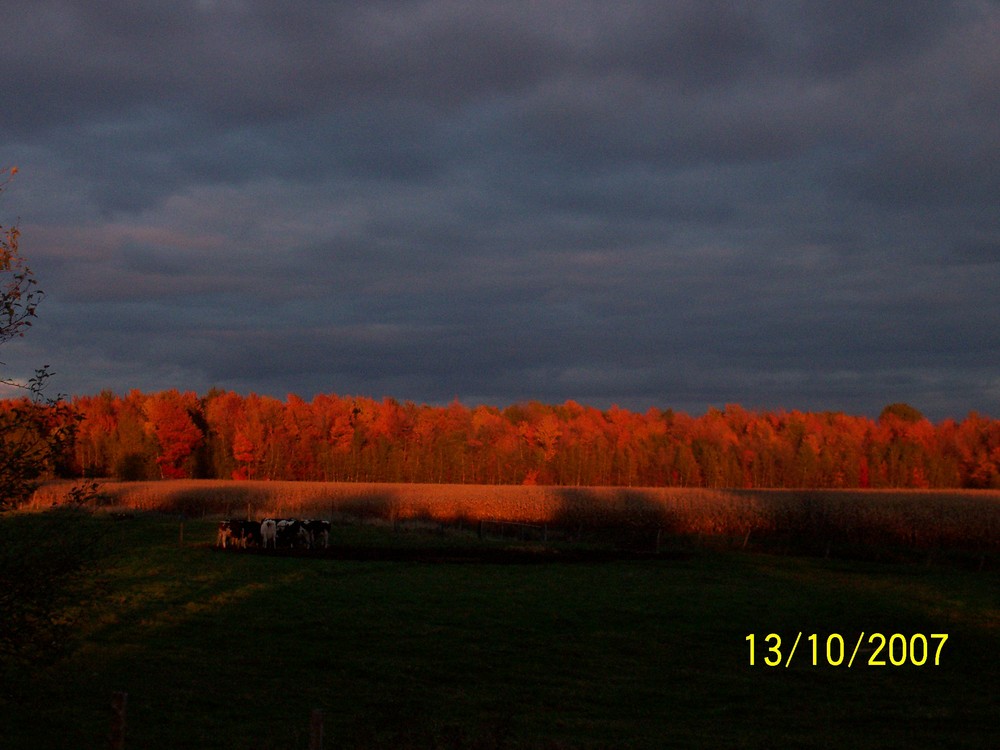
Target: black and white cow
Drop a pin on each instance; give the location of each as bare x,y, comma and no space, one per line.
290,532
269,533
317,533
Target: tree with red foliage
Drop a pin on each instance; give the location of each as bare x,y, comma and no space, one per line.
261,441
359,439
222,411
904,439
169,415
94,447
976,443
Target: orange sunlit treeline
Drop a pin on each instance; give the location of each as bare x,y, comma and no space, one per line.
336,438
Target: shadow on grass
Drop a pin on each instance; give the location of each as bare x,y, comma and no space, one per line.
44,558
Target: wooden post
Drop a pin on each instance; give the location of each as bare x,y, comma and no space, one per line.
116,741
316,730
180,540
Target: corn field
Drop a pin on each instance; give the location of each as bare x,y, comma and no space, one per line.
869,519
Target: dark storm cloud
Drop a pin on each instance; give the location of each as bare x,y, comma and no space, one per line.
786,204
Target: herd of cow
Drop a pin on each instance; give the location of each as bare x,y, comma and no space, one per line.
272,533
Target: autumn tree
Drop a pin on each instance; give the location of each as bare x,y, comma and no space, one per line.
170,419
340,421
35,430
904,443
901,411
262,441
975,446
41,554
222,411
335,438
19,295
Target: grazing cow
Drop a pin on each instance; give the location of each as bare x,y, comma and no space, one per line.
236,533
269,533
250,533
317,533
291,533
223,534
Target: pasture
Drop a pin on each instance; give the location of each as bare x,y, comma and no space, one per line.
879,524
458,648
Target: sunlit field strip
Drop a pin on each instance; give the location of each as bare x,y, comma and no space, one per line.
945,519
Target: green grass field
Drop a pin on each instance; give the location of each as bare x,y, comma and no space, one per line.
230,650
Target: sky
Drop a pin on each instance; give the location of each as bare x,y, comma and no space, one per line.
788,204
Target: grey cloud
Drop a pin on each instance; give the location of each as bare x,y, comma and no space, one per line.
789,204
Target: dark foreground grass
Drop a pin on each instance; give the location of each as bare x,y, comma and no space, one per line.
220,650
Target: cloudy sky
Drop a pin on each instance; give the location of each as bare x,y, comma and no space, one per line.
787,204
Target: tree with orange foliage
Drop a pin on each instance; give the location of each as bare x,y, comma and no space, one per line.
976,445
222,411
94,444
261,443
359,439
904,438
305,435
169,416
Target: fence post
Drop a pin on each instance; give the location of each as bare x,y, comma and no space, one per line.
316,730
116,740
